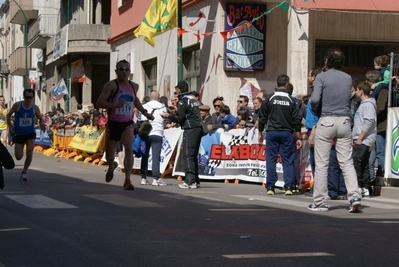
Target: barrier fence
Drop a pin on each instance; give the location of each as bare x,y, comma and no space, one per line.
229,155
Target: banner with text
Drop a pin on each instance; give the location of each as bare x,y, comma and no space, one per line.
87,139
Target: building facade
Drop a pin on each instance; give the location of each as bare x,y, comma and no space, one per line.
46,41
295,40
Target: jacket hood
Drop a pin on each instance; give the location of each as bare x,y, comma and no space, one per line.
153,104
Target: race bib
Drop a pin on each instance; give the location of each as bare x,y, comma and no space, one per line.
126,110
25,122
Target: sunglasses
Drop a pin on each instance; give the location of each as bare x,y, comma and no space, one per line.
124,69
240,101
28,97
216,106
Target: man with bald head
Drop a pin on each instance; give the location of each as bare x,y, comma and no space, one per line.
154,140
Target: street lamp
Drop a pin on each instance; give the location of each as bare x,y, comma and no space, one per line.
26,46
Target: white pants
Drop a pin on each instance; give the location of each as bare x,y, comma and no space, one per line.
331,129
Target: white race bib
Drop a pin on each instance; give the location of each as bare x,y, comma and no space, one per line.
25,122
126,110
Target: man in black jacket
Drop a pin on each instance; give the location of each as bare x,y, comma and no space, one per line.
188,116
280,115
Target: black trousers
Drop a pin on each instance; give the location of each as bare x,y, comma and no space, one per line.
361,155
191,144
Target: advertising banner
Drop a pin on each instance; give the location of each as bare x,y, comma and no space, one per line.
87,139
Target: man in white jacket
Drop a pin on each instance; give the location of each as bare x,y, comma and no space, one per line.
364,136
154,141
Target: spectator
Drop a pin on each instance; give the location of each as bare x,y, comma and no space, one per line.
205,116
215,117
330,101
154,140
280,117
364,136
228,121
188,116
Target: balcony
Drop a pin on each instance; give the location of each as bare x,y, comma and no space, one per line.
17,61
17,16
41,30
82,39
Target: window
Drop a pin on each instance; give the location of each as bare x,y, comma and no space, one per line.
122,2
191,67
150,71
359,56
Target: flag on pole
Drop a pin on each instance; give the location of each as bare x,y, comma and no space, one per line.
59,90
161,16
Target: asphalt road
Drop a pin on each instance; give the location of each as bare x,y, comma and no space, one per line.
66,215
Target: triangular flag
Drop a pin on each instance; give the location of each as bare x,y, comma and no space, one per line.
283,6
180,32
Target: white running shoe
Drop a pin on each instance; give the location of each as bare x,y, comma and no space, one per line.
144,181
159,182
23,177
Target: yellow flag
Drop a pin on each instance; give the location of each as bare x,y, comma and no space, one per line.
160,17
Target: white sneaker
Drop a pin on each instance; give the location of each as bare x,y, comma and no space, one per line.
365,193
159,182
186,186
144,181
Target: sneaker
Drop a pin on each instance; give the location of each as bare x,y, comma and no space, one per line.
354,205
321,207
23,177
110,173
342,197
119,168
159,182
186,186
288,192
198,185
365,193
270,191
127,185
144,181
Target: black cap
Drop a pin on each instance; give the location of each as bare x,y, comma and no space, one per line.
183,86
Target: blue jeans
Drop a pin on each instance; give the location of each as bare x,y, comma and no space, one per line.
155,143
336,182
280,141
378,153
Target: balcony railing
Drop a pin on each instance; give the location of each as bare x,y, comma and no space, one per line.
17,16
17,61
41,30
5,69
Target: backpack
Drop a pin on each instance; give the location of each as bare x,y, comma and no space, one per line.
139,146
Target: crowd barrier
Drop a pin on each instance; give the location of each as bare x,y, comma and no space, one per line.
228,155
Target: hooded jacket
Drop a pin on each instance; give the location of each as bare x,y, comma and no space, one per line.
366,120
155,108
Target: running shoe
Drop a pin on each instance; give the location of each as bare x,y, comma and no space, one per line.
159,182
110,173
23,177
354,206
127,185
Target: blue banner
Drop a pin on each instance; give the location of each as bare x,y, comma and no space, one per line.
42,138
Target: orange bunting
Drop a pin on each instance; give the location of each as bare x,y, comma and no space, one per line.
198,36
181,31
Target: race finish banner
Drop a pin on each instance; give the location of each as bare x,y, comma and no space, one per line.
170,140
236,154
87,139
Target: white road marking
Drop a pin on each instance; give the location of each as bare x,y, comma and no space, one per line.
278,255
385,222
13,229
123,201
40,202
251,210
